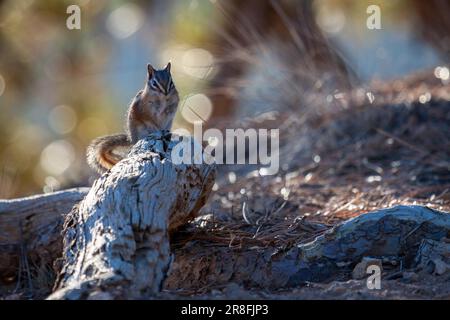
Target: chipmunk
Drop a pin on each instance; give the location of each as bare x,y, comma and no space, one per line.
152,109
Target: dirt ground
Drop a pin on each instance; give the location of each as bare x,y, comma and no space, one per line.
425,287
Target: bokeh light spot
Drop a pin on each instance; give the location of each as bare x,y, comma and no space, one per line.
424,98
57,157
232,177
330,20
51,184
198,63
124,21
197,107
2,85
62,119
442,73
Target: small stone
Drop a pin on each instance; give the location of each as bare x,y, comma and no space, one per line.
440,267
360,270
216,292
100,295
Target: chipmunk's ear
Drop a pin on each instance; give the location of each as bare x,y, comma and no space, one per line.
169,65
150,70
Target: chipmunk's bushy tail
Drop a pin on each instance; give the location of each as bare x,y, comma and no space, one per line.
102,153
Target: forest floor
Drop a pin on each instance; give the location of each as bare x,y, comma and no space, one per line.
373,148
340,161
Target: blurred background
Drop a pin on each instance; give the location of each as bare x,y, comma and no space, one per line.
60,88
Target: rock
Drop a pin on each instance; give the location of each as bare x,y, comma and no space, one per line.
440,267
433,256
360,270
100,295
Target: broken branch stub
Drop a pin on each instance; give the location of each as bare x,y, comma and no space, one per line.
116,241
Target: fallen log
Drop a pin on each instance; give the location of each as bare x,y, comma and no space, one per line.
116,241
30,228
399,231
396,231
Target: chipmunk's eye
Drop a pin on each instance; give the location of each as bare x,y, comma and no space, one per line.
154,84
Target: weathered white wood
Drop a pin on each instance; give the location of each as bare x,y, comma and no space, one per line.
116,241
34,224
